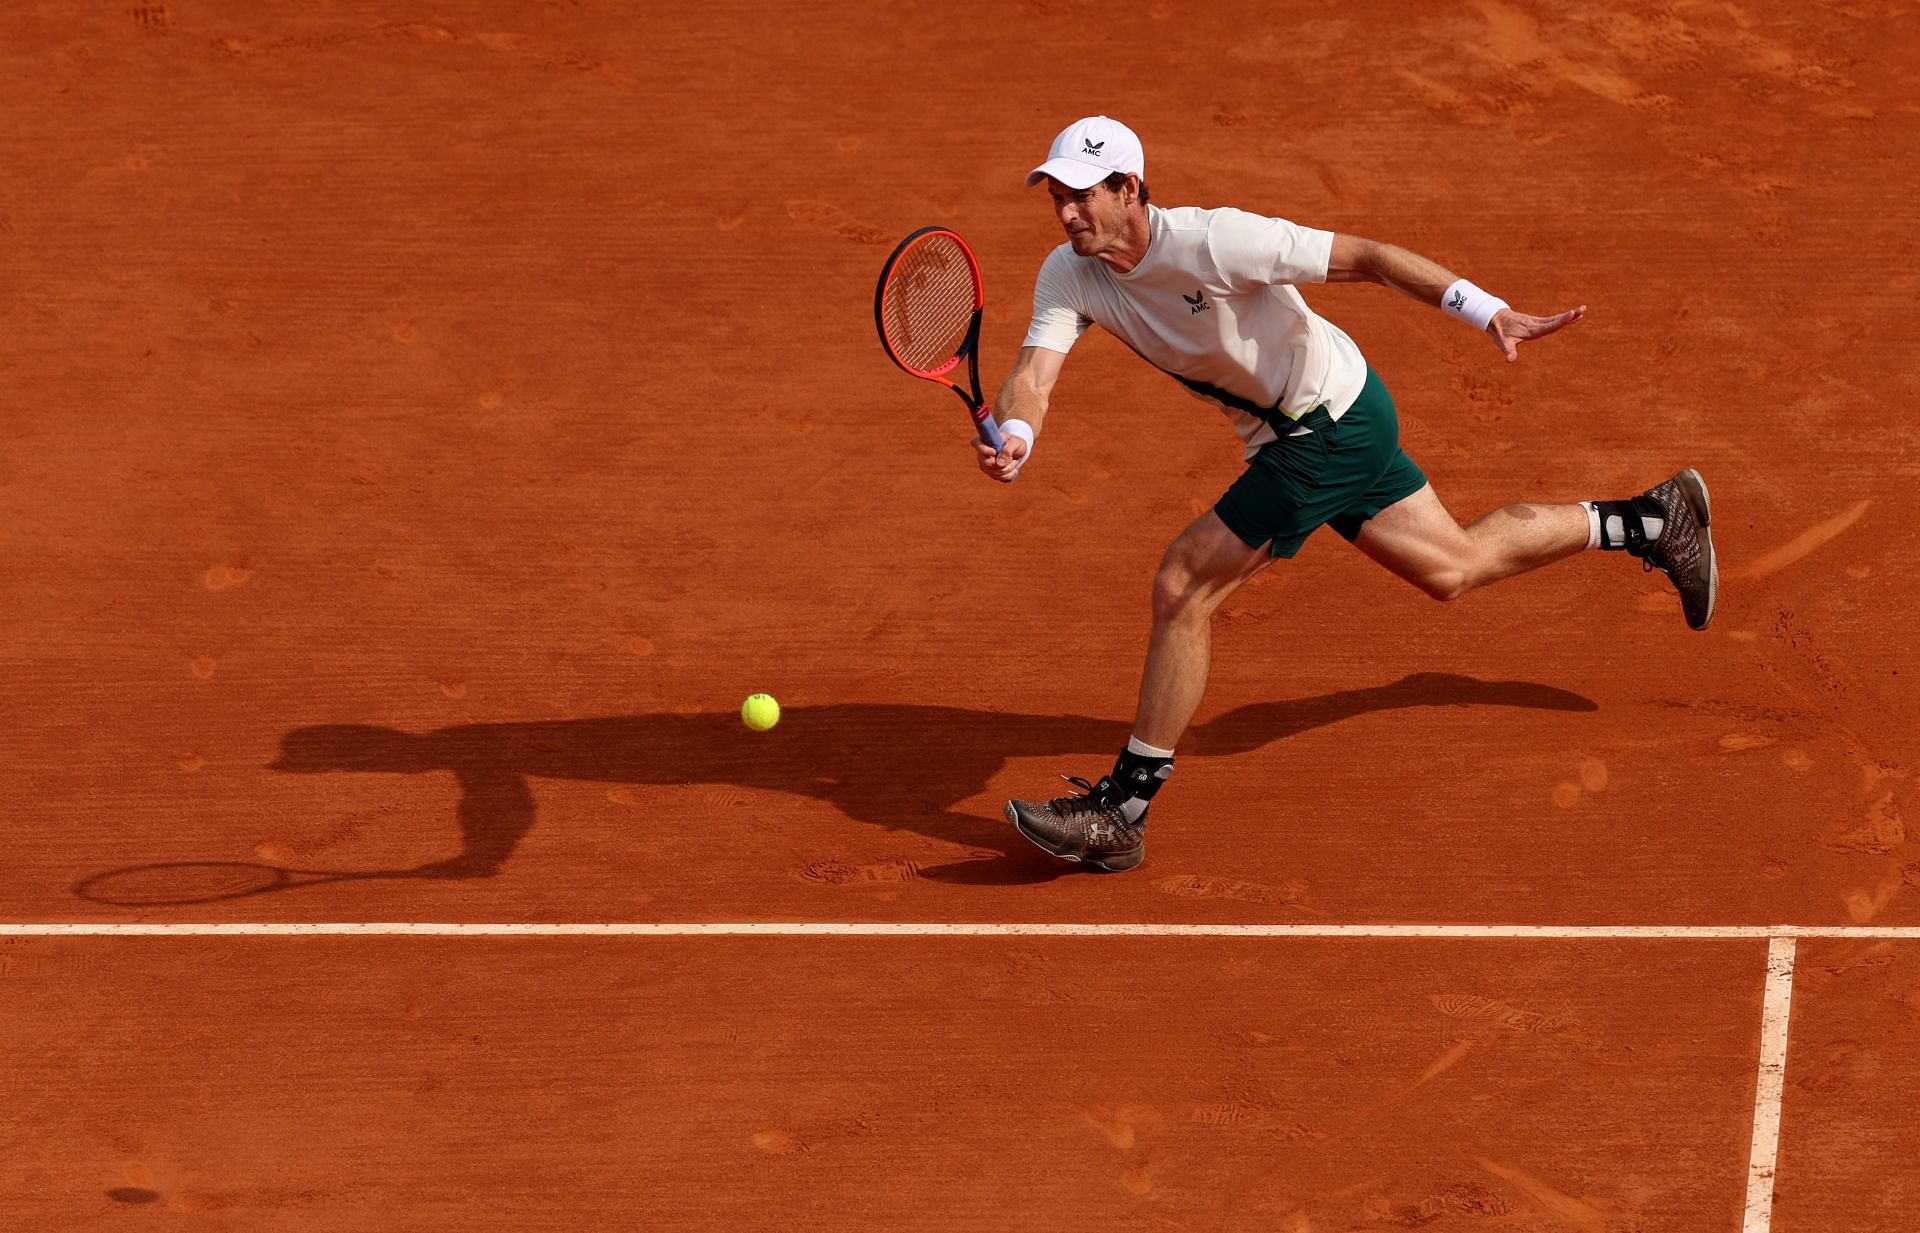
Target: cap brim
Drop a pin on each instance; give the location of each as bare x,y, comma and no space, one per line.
1069,171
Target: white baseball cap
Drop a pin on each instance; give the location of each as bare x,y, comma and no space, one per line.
1088,151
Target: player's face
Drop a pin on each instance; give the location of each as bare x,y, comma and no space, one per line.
1093,218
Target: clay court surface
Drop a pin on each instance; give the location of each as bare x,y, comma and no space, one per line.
424,425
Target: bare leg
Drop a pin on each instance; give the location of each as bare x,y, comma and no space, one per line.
1204,566
1420,541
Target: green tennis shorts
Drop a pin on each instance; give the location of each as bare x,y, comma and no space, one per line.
1340,474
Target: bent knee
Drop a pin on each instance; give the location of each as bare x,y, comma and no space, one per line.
1179,596
1446,585
1173,595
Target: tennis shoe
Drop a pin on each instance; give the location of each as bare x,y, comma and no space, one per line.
1683,549
1088,828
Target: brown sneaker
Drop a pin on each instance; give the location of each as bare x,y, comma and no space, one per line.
1090,829
1684,549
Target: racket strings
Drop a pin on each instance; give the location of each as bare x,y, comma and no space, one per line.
929,303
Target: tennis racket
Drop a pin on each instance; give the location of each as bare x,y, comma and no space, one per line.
927,308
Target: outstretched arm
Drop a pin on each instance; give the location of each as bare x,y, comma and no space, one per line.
1357,260
1023,396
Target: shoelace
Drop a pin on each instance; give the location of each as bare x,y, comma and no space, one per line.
1680,554
1087,802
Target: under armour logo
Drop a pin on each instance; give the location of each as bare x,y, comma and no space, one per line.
1458,302
1093,148
1197,302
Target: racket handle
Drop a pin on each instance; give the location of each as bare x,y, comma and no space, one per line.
989,431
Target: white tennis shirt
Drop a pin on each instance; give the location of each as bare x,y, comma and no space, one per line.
1212,304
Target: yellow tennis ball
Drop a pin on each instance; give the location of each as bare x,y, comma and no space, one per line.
760,712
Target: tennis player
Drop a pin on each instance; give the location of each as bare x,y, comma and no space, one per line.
1210,298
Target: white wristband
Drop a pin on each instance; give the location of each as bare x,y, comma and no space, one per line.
1023,430
1475,307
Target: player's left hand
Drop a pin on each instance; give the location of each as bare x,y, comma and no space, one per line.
1509,328
1004,463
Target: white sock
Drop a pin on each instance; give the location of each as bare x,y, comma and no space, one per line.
1136,745
1593,524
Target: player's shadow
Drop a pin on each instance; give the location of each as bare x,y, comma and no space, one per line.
893,766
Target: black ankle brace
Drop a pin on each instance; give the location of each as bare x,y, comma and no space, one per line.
1139,776
1634,538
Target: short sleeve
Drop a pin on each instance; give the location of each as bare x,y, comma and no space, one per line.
1058,322
1251,250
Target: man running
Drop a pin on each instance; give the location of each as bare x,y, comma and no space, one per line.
1208,297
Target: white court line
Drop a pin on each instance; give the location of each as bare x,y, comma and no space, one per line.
1774,933
1767,1091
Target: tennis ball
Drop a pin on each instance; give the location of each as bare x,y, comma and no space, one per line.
760,712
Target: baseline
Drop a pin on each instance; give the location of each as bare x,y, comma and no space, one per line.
937,929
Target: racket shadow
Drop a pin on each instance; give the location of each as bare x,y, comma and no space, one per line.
890,766
179,883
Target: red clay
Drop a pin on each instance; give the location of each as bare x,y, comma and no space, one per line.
925,1084
500,382
1846,1142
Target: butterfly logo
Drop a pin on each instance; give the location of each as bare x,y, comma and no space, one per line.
1197,302
1458,302
1093,148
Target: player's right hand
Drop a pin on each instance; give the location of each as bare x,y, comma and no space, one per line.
1004,463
